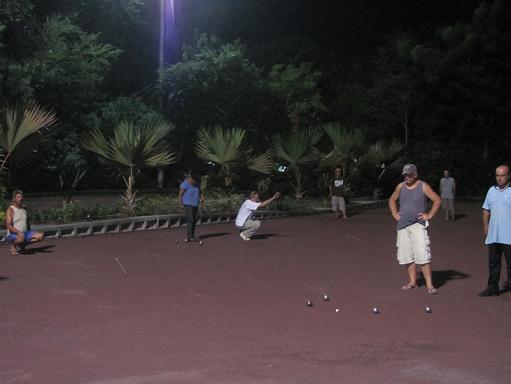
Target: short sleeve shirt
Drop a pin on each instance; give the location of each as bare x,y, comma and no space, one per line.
447,187
337,187
498,202
246,212
191,195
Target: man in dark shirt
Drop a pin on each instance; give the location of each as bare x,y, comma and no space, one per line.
336,188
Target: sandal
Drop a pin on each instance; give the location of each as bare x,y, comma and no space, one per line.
432,291
408,286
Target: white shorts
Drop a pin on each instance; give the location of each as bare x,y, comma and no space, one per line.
413,245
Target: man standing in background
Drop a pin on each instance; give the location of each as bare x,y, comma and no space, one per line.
336,188
447,193
190,195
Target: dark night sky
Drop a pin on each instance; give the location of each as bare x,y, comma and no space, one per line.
350,23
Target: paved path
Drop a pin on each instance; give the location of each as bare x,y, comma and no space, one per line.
234,312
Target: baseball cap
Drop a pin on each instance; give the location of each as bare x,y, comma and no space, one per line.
409,169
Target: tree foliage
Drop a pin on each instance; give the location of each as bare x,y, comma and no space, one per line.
130,149
227,149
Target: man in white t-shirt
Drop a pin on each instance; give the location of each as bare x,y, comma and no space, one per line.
244,221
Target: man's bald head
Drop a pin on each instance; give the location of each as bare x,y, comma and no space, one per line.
502,176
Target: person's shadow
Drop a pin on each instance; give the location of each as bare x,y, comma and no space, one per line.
216,234
3,278
263,236
440,278
43,249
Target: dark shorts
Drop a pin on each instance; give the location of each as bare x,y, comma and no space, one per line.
28,236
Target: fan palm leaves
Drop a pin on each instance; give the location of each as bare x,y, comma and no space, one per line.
384,156
131,149
297,149
263,163
226,149
17,126
380,158
345,143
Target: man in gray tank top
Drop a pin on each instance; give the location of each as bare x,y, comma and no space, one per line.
412,220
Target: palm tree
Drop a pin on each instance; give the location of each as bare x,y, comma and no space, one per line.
226,149
296,150
382,157
17,126
131,149
346,144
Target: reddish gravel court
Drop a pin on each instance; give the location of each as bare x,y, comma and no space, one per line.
231,311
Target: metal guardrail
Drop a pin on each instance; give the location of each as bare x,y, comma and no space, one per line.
135,224
155,222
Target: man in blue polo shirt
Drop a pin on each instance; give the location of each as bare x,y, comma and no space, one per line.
497,229
190,196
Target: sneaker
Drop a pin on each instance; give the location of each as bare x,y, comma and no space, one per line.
489,292
244,237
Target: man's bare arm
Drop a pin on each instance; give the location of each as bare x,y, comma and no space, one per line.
393,203
437,202
267,202
486,221
9,221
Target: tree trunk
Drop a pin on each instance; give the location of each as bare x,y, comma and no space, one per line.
298,186
130,193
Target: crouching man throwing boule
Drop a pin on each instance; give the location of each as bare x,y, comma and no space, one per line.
244,221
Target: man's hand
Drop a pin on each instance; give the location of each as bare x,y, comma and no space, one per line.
276,195
425,216
396,216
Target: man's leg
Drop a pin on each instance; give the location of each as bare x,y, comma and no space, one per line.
405,257
342,207
453,216
445,206
426,272
189,221
494,260
250,228
412,275
33,237
494,263
16,241
194,220
422,253
335,206
506,248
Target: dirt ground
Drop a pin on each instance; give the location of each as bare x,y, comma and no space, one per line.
230,311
